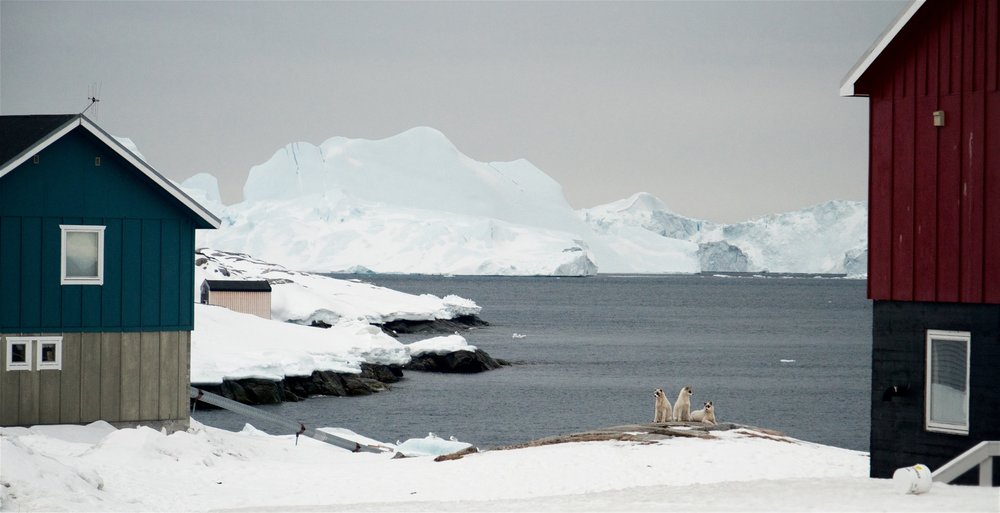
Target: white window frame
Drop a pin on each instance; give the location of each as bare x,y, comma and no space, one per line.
99,279
39,343
28,355
952,336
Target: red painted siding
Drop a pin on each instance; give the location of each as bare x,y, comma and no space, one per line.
934,192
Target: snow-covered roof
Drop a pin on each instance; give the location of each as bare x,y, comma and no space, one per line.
238,285
859,69
46,130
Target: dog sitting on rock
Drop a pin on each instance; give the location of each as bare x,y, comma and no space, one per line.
662,411
682,406
706,414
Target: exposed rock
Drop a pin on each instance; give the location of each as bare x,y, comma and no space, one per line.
318,383
355,385
460,323
253,391
383,373
461,362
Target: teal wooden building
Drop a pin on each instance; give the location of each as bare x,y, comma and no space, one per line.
96,279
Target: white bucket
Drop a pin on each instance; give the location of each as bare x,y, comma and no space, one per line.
915,479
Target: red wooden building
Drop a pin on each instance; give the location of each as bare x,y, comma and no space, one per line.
933,83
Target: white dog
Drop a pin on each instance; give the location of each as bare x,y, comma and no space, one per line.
682,406
706,414
662,411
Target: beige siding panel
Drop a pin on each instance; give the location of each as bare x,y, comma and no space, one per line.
48,398
28,409
90,377
131,356
168,375
256,303
149,376
111,376
9,402
10,390
69,383
184,373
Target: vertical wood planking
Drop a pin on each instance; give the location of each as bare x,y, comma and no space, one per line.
90,377
151,275
10,390
880,200
170,263
992,46
111,292
186,276
991,223
169,384
149,380
51,288
111,376
184,373
949,200
48,398
131,374
28,408
31,273
925,210
902,184
10,271
131,272
69,383
971,271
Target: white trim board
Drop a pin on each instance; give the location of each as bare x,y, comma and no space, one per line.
847,85
117,147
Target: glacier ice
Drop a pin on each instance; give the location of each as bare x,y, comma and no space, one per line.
413,203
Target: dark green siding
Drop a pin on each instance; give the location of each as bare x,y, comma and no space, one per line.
148,245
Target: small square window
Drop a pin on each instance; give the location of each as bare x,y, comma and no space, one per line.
49,353
946,407
82,255
18,353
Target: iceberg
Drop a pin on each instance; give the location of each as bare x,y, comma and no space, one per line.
413,203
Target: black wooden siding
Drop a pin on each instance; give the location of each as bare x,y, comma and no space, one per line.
899,353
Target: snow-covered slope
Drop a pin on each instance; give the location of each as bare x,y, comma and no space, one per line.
413,203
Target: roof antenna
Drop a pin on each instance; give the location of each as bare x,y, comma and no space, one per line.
95,93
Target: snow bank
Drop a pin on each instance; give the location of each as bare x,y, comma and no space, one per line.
233,345
304,297
209,469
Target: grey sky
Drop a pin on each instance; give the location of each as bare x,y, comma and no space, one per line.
724,110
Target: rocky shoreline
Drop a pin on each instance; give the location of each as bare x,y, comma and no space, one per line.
374,378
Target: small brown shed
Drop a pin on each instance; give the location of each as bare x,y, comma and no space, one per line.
246,296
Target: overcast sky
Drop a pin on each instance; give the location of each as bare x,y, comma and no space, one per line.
724,110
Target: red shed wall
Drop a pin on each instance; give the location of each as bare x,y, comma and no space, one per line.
934,192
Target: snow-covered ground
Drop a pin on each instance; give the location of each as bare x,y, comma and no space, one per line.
413,203
227,344
98,468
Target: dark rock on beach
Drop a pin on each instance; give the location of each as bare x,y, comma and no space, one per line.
373,378
461,323
461,362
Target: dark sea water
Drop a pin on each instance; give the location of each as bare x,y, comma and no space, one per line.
597,347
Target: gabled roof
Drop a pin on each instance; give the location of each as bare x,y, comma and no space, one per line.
21,137
859,69
238,285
